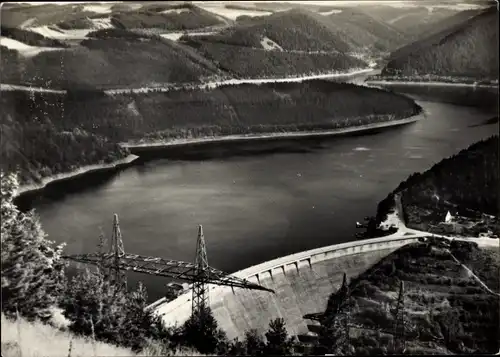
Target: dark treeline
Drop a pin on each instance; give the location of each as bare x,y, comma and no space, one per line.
49,133
464,315
466,182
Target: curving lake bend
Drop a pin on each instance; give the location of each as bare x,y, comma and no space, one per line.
256,207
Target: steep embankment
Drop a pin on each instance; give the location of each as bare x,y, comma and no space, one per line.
50,133
446,309
288,43
467,182
102,61
470,50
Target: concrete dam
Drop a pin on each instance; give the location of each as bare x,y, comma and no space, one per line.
302,282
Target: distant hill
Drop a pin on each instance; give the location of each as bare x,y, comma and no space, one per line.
365,32
52,133
90,16
436,32
470,50
120,60
166,17
294,30
290,43
412,21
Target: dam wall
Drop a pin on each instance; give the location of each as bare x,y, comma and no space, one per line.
302,282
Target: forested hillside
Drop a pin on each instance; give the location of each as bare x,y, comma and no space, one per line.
84,127
294,30
134,15
436,33
365,33
467,182
111,61
445,311
245,62
471,50
166,17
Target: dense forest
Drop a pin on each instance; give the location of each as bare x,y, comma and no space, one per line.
364,32
245,62
294,30
471,50
167,17
466,182
436,33
85,122
101,61
445,310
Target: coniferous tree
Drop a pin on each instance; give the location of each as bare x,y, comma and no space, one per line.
254,343
32,268
201,332
92,303
278,342
141,324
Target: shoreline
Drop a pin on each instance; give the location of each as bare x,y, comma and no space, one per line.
273,136
30,188
430,83
208,85
76,173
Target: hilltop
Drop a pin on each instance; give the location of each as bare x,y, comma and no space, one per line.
90,124
469,50
447,309
465,184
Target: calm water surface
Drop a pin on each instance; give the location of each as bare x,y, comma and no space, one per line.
256,208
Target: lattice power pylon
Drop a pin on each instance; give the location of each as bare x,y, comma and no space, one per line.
200,298
199,273
399,322
117,251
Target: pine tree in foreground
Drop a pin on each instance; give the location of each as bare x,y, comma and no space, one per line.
278,342
32,267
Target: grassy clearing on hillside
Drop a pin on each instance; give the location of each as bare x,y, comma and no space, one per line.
26,339
21,338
